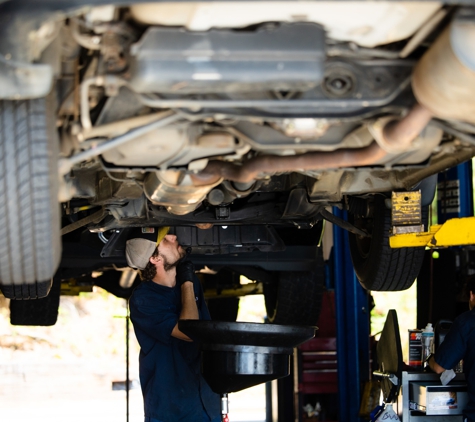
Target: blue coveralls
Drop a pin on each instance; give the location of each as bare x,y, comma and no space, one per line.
459,343
172,386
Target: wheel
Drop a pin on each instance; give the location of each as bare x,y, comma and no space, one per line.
377,266
36,290
42,312
295,298
29,210
225,309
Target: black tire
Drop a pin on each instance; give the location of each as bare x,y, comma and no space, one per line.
36,290
295,298
377,266
43,312
225,309
29,210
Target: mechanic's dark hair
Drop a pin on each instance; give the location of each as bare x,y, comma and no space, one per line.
149,271
470,285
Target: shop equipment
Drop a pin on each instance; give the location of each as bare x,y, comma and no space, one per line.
239,355
423,397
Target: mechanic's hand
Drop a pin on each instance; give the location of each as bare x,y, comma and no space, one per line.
185,271
187,253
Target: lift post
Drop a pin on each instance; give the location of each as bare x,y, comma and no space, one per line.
352,319
455,193
440,284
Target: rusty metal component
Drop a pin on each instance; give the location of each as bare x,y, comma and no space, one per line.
265,164
444,79
113,48
406,212
392,137
261,165
397,135
441,162
93,218
91,42
175,191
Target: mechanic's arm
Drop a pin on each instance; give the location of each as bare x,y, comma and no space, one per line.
451,350
184,275
435,366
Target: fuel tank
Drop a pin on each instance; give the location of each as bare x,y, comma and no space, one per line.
285,57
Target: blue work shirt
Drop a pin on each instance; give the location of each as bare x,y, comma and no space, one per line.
172,385
459,343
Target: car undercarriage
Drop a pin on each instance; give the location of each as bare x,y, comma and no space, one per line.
238,124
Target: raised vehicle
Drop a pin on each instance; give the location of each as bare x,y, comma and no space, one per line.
239,124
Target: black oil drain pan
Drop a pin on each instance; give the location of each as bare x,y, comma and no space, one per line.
239,355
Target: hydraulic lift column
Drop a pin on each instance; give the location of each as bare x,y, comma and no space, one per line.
352,319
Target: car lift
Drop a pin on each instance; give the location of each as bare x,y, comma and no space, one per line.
454,232
457,228
455,211
443,273
353,328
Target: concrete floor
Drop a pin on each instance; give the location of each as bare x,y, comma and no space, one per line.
65,373
79,392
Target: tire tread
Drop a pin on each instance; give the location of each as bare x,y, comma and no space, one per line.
29,211
385,269
298,298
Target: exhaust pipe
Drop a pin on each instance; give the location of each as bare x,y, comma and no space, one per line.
268,164
444,85
391,136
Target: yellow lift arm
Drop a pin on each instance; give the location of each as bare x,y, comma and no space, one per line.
454,232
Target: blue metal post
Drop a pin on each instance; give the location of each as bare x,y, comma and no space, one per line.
352,319
455,193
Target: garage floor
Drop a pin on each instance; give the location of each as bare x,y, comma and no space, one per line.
79,392
65,372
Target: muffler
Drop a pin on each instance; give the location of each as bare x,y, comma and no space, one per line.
444,79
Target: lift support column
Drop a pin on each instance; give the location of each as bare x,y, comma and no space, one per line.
353,327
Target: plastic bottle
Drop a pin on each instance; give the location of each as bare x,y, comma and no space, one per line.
388,414
427,341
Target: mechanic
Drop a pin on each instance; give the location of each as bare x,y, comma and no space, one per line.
172,385
459,343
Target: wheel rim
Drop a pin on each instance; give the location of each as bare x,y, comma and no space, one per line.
363,244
